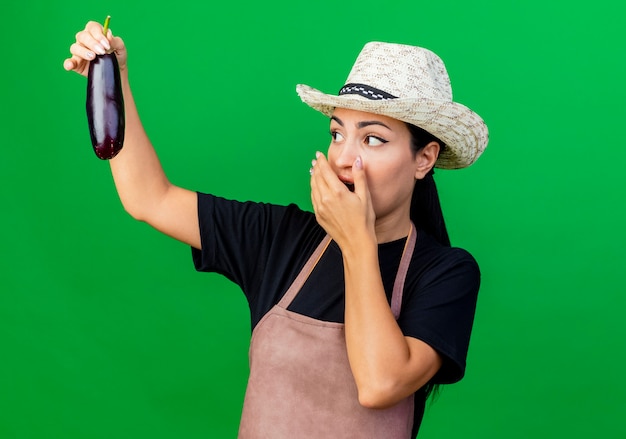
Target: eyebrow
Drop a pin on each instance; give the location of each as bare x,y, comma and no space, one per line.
361,124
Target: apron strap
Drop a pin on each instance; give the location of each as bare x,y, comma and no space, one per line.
398,286
304,273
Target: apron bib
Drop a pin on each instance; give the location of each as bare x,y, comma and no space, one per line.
301,385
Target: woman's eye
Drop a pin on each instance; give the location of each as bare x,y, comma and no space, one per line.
337,137
374,141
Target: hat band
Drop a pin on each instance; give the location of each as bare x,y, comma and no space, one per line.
365,91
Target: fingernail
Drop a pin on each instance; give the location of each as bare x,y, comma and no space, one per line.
317,154
358,163
99,49
105,43
90,55
313,162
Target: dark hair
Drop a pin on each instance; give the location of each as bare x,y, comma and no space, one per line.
426,211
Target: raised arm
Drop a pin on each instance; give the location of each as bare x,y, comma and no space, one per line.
144,189
387,365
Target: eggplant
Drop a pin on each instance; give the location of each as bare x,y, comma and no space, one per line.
105,105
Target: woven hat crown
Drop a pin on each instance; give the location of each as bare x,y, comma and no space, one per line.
402,71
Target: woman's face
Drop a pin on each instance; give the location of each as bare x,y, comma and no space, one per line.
384,145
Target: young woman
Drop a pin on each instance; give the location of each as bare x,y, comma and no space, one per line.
361,307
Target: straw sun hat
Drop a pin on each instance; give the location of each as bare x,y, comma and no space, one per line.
410,84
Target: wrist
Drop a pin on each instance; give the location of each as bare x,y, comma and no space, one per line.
359,245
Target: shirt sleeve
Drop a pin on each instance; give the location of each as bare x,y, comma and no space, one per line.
440,310
236,237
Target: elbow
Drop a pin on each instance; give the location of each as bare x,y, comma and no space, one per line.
139,212
133,211
378,397
140,208
144,204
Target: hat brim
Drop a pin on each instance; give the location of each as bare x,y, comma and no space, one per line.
463,131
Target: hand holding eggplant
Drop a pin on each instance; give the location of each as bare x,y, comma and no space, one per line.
105,102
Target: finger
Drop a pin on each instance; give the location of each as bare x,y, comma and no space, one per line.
80,53
323,192
316,173
70,64
96,30
316,183
319,184
116,43
94,42
87,41
360,180
325,172
315,193
79,60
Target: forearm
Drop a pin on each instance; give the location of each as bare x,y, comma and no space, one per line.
137,171
387,366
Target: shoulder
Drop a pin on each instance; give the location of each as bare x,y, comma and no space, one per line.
240,230
432,259
256,215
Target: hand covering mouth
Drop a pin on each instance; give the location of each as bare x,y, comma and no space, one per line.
349,184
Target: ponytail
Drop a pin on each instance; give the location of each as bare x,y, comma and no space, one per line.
426,211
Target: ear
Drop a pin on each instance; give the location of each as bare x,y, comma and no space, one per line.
425,159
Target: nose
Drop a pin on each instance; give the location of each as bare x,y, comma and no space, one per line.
345,154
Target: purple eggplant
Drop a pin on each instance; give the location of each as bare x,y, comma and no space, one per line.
105,106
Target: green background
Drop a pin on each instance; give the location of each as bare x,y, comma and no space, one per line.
106,330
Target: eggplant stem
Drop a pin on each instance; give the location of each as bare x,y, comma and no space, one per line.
106,25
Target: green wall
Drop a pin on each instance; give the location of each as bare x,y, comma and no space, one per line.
106,330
